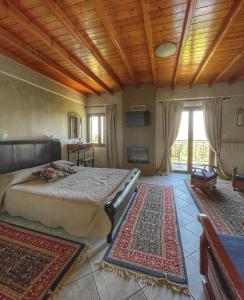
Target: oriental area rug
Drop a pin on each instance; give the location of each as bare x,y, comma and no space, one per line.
147,245
224,207
34,265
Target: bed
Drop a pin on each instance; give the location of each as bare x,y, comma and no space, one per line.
89,203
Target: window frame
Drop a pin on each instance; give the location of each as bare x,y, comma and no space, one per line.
89,115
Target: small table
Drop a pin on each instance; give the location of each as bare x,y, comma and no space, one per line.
85,154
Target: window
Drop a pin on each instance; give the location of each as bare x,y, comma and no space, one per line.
95,128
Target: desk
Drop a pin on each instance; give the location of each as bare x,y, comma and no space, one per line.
85,154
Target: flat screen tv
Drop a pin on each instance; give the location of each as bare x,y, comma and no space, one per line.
137,118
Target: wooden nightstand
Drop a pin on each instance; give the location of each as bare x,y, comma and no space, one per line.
85,154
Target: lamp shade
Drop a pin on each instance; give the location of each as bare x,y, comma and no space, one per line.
165,50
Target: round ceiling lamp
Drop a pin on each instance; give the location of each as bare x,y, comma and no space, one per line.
165,50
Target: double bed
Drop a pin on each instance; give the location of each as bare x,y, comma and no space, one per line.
89,203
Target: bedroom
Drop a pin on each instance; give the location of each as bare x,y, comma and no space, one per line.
140,94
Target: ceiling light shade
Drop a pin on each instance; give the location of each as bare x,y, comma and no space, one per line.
165,50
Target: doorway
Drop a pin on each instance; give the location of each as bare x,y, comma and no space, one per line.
191,147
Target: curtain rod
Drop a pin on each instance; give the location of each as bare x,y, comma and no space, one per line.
193,99
201,98
100,105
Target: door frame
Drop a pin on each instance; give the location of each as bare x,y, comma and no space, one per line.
191,110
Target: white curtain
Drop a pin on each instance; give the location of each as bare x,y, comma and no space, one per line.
212,113
169,118
111,139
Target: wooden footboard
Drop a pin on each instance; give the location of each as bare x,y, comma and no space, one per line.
116,207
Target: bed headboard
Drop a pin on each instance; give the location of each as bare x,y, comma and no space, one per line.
22,154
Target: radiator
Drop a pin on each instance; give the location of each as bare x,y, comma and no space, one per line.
232,154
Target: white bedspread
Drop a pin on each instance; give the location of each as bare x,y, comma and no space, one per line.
75,202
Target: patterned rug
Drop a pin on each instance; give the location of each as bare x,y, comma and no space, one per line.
147,246
224,207
34,265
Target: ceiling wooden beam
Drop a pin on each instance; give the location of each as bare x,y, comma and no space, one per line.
184,34
148,31
236,7
82,37
113,37
17,13
239,54
21,61
42,58
237,76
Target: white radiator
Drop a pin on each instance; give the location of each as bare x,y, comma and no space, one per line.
232,154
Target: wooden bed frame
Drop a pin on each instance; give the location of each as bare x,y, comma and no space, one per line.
221,281
21,154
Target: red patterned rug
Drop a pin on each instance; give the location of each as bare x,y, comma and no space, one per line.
224,207
34,265
147,245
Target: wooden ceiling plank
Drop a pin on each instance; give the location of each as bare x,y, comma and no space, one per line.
82,37
112,35
42,58
185,31
148,32
239,54
30,25
235,9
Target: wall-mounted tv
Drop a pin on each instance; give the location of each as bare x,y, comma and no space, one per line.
137,118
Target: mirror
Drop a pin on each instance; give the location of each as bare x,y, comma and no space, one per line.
240,117
75,126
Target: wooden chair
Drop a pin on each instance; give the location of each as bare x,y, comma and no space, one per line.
204,177
221,263
237,180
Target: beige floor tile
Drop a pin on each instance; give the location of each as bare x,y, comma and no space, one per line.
194,277
96,258
162,293
137,296
184,218
83,289
82,271
195,227
112,287
190,241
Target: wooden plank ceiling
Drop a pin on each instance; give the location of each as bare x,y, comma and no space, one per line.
94,46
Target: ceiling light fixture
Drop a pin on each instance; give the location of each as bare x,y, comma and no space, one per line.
165,50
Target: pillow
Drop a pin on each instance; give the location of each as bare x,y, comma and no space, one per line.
49,174
65,162
62,167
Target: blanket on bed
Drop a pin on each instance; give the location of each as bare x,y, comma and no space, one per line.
93,185
75,202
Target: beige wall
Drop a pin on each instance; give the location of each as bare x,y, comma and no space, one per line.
140,136
30,109
232,136
97,104
230,132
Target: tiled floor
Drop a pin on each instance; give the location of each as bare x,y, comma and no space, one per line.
89,283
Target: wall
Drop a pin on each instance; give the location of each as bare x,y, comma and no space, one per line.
32,106
137,95
131,95
97,104
141,136
230,132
